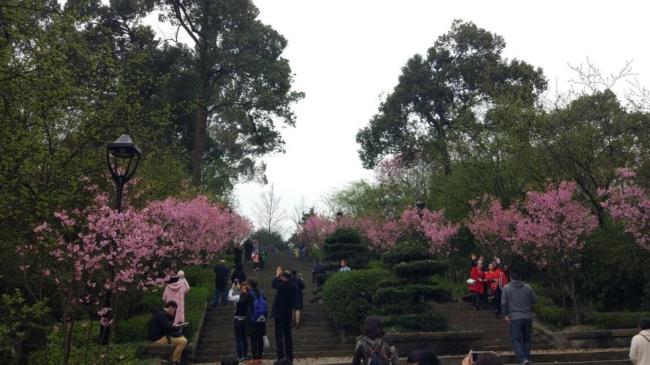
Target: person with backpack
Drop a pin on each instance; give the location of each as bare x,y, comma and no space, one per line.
640,346
237,295
283,312
258,312
372,348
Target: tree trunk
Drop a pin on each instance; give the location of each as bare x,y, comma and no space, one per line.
200,134
574,299
68,341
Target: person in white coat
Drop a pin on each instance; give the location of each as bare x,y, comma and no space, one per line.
640,347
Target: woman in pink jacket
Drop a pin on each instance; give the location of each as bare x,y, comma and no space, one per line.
175,290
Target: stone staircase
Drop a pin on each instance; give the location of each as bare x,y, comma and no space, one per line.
317,341
316,337
497,333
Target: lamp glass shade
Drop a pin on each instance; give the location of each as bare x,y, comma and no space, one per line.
124,147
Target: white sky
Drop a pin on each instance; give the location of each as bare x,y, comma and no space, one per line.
346,53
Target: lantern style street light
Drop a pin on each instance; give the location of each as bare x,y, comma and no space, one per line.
123,158
420,205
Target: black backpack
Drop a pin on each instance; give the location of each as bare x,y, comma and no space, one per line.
379,355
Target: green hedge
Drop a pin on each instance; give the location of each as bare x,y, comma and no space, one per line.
419,269
344,247
406,252
551,314
347,296
616,320
84,350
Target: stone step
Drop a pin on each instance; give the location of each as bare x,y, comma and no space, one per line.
601,356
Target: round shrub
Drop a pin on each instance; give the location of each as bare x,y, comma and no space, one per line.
391,309
134,329
348,295
339,247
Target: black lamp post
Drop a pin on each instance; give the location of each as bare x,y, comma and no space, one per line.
420,205
123,158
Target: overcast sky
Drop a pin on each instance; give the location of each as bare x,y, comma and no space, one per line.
346,53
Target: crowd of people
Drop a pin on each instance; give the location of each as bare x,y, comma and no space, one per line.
495,287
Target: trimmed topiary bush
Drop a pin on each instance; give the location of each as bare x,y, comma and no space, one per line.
402,300
416,270
348,296
346,244
405,252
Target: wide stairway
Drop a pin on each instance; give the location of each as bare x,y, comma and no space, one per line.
316,337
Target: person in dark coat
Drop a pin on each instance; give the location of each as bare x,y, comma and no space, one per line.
221,272
237,255
298,301
161,330
255,330
238,274
282,312
248,249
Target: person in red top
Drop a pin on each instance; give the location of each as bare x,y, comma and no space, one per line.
502,280
492,279
478,287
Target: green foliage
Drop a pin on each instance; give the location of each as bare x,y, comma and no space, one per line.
419,269
394,309
406,252
85,349
612,272
344,235
198,276
19,320
616,320
411,293
551,314
348,295
134,329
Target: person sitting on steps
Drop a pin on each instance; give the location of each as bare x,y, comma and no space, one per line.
161,330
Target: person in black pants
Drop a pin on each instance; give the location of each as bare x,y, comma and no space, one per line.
282,312
237,294
255,330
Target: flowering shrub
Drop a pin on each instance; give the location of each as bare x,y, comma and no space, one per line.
629,203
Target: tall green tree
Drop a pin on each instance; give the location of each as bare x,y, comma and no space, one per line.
242,88
443,99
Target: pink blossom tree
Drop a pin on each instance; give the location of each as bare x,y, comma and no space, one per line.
432,225
316,228
629,203
91,253
494,227
551,234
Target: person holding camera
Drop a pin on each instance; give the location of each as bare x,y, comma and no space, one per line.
236,294
482,358
283,312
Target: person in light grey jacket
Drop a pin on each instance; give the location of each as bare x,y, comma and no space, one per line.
517,302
